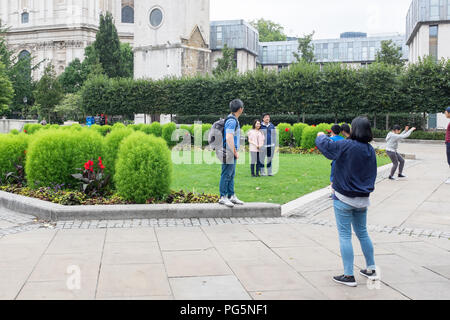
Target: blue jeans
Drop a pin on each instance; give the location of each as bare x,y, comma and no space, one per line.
227,179
346,216
448,153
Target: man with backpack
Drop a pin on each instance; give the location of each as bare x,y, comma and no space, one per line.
228,153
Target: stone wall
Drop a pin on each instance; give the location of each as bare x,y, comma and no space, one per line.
6,125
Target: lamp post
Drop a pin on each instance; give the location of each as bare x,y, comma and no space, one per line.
25,100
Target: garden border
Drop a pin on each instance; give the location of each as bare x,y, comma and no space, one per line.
382,140
48,211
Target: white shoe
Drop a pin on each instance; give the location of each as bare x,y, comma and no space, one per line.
235,200
448,181
225,201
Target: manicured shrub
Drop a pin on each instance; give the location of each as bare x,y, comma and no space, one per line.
246,129
103,130
31,128
133,126
297,132
167,131
156,129
285,131
12,152
112,143
309,137
143,168
54,155
14,132
118,125
323,127
205,132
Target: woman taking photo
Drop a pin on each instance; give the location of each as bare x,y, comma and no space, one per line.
353,182
256,141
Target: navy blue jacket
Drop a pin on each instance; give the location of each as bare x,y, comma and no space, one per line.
355,165
270,133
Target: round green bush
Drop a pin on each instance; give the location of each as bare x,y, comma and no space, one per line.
309,137
285,132
118,125
31,128
12,152
143,168
156,129
167,132
323,127
297,132
112,143
103,130
54,155
14,132
205,132
246,129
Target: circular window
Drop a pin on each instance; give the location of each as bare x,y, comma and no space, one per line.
156,17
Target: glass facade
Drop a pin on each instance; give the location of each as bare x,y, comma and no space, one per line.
358,50
422,11
434,30
237,34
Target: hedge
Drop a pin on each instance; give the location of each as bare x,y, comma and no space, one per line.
167,132
297,132
143,168
309,137
285,132
337,90
54,155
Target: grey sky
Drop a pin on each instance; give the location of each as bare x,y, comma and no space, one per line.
327,17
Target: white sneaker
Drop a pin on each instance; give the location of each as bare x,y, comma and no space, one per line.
225,201
448,181
235,200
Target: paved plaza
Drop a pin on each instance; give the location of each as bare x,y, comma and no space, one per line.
276,258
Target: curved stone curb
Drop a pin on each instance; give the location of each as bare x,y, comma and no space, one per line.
438,142
48,211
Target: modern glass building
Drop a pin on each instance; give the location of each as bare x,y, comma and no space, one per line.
428,29
354,48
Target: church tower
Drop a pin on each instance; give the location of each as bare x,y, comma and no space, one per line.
171,38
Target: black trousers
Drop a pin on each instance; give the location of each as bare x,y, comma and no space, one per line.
448,153
255,162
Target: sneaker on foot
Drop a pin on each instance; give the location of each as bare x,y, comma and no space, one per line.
393,179
235,200
448,181
346,280
226,202
402,176
372,274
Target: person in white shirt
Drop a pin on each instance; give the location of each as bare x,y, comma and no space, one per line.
392,139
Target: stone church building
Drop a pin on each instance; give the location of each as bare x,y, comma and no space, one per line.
58,31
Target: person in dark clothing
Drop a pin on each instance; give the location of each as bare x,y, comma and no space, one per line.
447,140
346,130
353,182
268,150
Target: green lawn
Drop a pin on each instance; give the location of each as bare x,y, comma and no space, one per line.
297,175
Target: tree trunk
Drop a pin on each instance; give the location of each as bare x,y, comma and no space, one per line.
304,118
425,121
387,121
298,117
375,121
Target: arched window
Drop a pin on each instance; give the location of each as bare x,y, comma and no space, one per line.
127,14
25,17
24,54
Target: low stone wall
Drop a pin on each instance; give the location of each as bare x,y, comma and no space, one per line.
54,212
6,125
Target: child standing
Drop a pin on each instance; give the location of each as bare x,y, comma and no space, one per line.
256,141
392,140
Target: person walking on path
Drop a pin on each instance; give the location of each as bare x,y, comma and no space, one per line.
354,181
447,140
268,150
256,142
231,143
392,140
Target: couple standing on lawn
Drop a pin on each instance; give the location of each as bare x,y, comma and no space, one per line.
262,145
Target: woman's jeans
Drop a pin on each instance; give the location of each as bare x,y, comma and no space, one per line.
227,180
346,216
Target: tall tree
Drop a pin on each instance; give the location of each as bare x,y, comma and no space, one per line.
72,78
107,46
48,93
126,61
305,49
269,30
227,63
6,91
390,53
